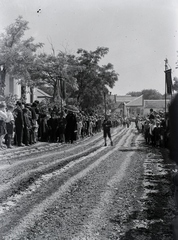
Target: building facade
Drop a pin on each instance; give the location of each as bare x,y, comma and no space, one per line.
126,105
13,87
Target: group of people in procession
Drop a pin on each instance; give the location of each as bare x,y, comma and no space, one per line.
25,124
154,127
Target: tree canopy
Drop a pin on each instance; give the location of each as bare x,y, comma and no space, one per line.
147,94
93,79
16,54
79,76
175,84
57,72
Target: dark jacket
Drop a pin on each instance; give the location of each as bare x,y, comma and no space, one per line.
18,115
107,125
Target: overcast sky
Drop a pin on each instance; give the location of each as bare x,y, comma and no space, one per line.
140,34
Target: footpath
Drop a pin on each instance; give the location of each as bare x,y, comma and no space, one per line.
170,210
155,220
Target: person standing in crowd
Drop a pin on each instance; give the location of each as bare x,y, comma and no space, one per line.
43,127
79,126
84,127
139,125
124,121
173,147
71,126
52,126
146,129
136,121
151,115
127,122
34,122
27,127
19,124
90,126
152,132
99,124
3,117
107,130
9,126
61,127
29,116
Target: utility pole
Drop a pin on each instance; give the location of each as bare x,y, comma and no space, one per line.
58,92
105,103
62,91
166,68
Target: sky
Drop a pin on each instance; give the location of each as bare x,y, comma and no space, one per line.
140,34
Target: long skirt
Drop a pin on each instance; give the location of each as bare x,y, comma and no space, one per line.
2,128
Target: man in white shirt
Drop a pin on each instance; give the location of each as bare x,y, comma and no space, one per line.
3,117
9,126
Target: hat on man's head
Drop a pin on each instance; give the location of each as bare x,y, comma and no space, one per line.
28,105
19,103
10,106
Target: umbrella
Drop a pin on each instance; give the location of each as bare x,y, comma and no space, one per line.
72,108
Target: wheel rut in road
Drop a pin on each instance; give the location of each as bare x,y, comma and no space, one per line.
36,211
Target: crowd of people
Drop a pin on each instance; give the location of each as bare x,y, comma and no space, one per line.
25,124
155,128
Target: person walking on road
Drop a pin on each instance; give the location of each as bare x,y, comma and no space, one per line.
107,130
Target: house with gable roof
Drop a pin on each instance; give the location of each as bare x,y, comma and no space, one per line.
156,105
135,106
132,106
13,87
127,105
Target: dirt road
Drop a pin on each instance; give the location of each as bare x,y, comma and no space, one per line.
86,191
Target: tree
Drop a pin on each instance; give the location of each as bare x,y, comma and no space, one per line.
17,55
175,85
134,94
93,79
56,72
147,94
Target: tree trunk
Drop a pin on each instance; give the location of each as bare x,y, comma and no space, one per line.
2,80
23,93
55,91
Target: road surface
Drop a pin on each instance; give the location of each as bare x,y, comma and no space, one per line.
86,191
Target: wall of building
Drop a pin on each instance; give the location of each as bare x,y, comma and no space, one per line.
156,105
12,87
